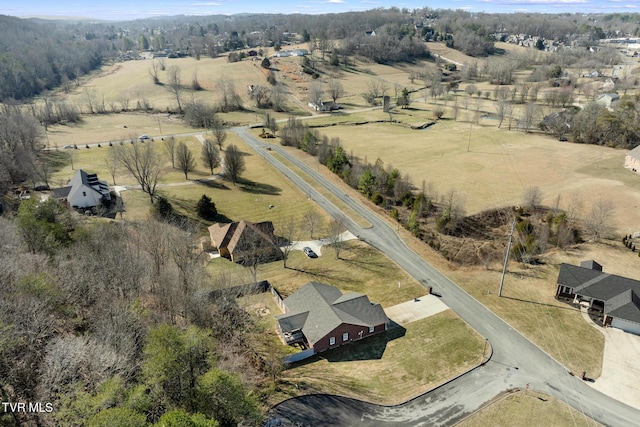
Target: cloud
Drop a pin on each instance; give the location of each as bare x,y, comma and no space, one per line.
335,1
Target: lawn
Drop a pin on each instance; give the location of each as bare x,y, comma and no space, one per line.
528,409
389,368
360,268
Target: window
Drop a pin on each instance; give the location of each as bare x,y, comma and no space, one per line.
332,340
371,329
345,336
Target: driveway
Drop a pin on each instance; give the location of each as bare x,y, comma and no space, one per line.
416,309
620,376
316,245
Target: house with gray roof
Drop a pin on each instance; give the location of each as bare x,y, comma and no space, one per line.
616,297
321,317
84,190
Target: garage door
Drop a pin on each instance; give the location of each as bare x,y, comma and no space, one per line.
626,326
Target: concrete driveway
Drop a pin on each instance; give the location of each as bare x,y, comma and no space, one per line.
416,309
620,377
317,245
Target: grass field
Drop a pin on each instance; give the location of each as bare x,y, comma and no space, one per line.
528,409
492,167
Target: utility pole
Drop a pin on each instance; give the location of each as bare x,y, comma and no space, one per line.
506,256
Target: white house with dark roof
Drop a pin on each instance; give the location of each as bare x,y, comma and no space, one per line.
616,297
84,190
321,317
632,160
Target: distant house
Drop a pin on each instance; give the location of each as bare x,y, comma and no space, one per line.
324,106
83,191
632,161
370,33
617,298
607,99
245,242
321,317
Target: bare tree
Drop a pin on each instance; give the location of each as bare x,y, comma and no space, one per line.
315,94
230,100
142,161
597,223
312,221
233,163
529,116
112,161
175,85
219,133
502,95
261,95
277,97
532,197
336,227
185,160
170,149
210,155
335,89
289,233
153,72
195,83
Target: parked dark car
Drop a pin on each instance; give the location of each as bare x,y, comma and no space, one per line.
309,252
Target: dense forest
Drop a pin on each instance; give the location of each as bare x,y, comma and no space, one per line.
94,326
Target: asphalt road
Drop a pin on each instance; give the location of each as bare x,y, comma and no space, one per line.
515,361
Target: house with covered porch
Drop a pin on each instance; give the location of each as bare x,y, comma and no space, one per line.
320,317
617,298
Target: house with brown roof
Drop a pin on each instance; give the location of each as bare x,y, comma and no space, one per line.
616,298
321,317
632,160
245,242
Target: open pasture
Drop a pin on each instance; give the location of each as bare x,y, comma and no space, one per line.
490,167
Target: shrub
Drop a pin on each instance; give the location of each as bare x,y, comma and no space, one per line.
162,209
206,209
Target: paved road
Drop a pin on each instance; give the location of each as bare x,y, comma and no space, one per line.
515,362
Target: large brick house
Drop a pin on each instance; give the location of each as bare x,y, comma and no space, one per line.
321,317
616,297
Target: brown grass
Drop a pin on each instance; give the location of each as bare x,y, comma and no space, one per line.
492,167
528,409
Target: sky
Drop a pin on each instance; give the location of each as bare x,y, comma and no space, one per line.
136,9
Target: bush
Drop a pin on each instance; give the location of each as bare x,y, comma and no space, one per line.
162,209
377,198
206,209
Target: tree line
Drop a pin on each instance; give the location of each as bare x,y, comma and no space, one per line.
42,56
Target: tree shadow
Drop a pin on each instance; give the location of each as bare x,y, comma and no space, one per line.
320,274
212,183
541,303
259,188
